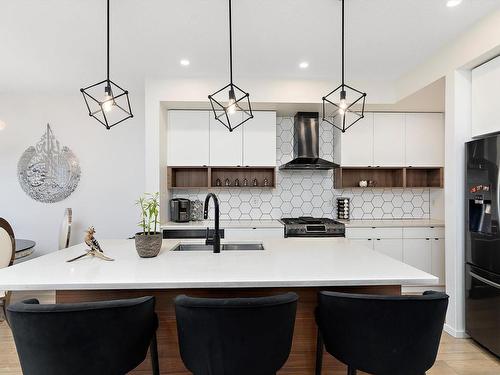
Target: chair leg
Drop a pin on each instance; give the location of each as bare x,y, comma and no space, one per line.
153,349
319,353
5,304
351,370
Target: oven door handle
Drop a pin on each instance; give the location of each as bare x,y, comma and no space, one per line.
484,280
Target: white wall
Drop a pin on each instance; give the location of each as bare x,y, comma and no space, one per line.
112,164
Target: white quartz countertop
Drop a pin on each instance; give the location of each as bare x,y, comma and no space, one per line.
224,224
291,262
393,223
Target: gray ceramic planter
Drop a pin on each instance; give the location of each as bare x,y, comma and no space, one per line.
148,246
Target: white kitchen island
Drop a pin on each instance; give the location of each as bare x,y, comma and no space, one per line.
301,265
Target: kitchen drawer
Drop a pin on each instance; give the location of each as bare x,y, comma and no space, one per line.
387,233
257,234
374,232
423,232
361,233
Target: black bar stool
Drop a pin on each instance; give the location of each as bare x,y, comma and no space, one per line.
237,336
100,338
382,335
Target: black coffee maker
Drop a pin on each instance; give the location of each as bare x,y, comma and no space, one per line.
180,210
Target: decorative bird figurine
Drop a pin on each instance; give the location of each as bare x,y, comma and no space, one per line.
95,248
91,241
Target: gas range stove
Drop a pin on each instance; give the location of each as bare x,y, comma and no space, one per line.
306,226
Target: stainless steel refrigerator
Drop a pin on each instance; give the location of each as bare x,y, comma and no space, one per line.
482,242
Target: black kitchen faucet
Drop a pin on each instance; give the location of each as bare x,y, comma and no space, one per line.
215,240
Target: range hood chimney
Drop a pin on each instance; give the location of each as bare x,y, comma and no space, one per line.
306,144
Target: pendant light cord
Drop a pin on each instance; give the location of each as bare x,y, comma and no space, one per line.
230,45
107,47
343,57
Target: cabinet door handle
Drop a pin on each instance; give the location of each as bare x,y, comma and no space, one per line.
378,239
486,281
427,239
369,239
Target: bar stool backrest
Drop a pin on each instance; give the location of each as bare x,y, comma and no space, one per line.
244,336
109,337
382,334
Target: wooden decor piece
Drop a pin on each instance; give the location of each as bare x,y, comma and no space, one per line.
302,356
94,250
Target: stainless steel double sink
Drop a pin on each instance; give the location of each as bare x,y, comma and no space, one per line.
223,247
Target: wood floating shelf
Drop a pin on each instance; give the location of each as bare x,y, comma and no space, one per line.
394,177
206,177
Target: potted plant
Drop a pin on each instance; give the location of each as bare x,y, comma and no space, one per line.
148,242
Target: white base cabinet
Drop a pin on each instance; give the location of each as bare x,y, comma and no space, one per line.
417,253
420,247
392,247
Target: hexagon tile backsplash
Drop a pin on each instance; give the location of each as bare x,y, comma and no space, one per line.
311,193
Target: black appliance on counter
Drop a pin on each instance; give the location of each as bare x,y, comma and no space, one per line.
180,210
306,226
482,242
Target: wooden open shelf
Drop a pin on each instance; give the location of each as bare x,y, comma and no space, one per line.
383,177
424,177
240,173
206,177
397,177
187,177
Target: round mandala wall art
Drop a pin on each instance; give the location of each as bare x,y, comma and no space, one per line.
47,171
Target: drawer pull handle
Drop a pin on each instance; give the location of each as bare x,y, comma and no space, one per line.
486,281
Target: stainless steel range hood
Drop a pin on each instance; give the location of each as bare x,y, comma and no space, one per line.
306,144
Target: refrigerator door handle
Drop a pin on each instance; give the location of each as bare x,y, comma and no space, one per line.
486,281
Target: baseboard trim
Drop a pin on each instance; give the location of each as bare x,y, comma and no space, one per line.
453,332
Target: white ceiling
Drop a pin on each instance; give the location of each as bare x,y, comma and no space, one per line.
60,44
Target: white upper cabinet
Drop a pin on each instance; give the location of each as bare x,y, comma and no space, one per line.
388,139
187,138
357,144
196,138
259,140
424,140
485,108
226,148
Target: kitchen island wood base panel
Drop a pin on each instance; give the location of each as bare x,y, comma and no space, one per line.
302,356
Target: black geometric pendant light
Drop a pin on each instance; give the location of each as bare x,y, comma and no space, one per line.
231,105
344,106
107,102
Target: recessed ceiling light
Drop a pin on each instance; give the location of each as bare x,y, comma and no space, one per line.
304,65
3,125
185,62
453,3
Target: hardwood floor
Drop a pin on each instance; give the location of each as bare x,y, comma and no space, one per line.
455,357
